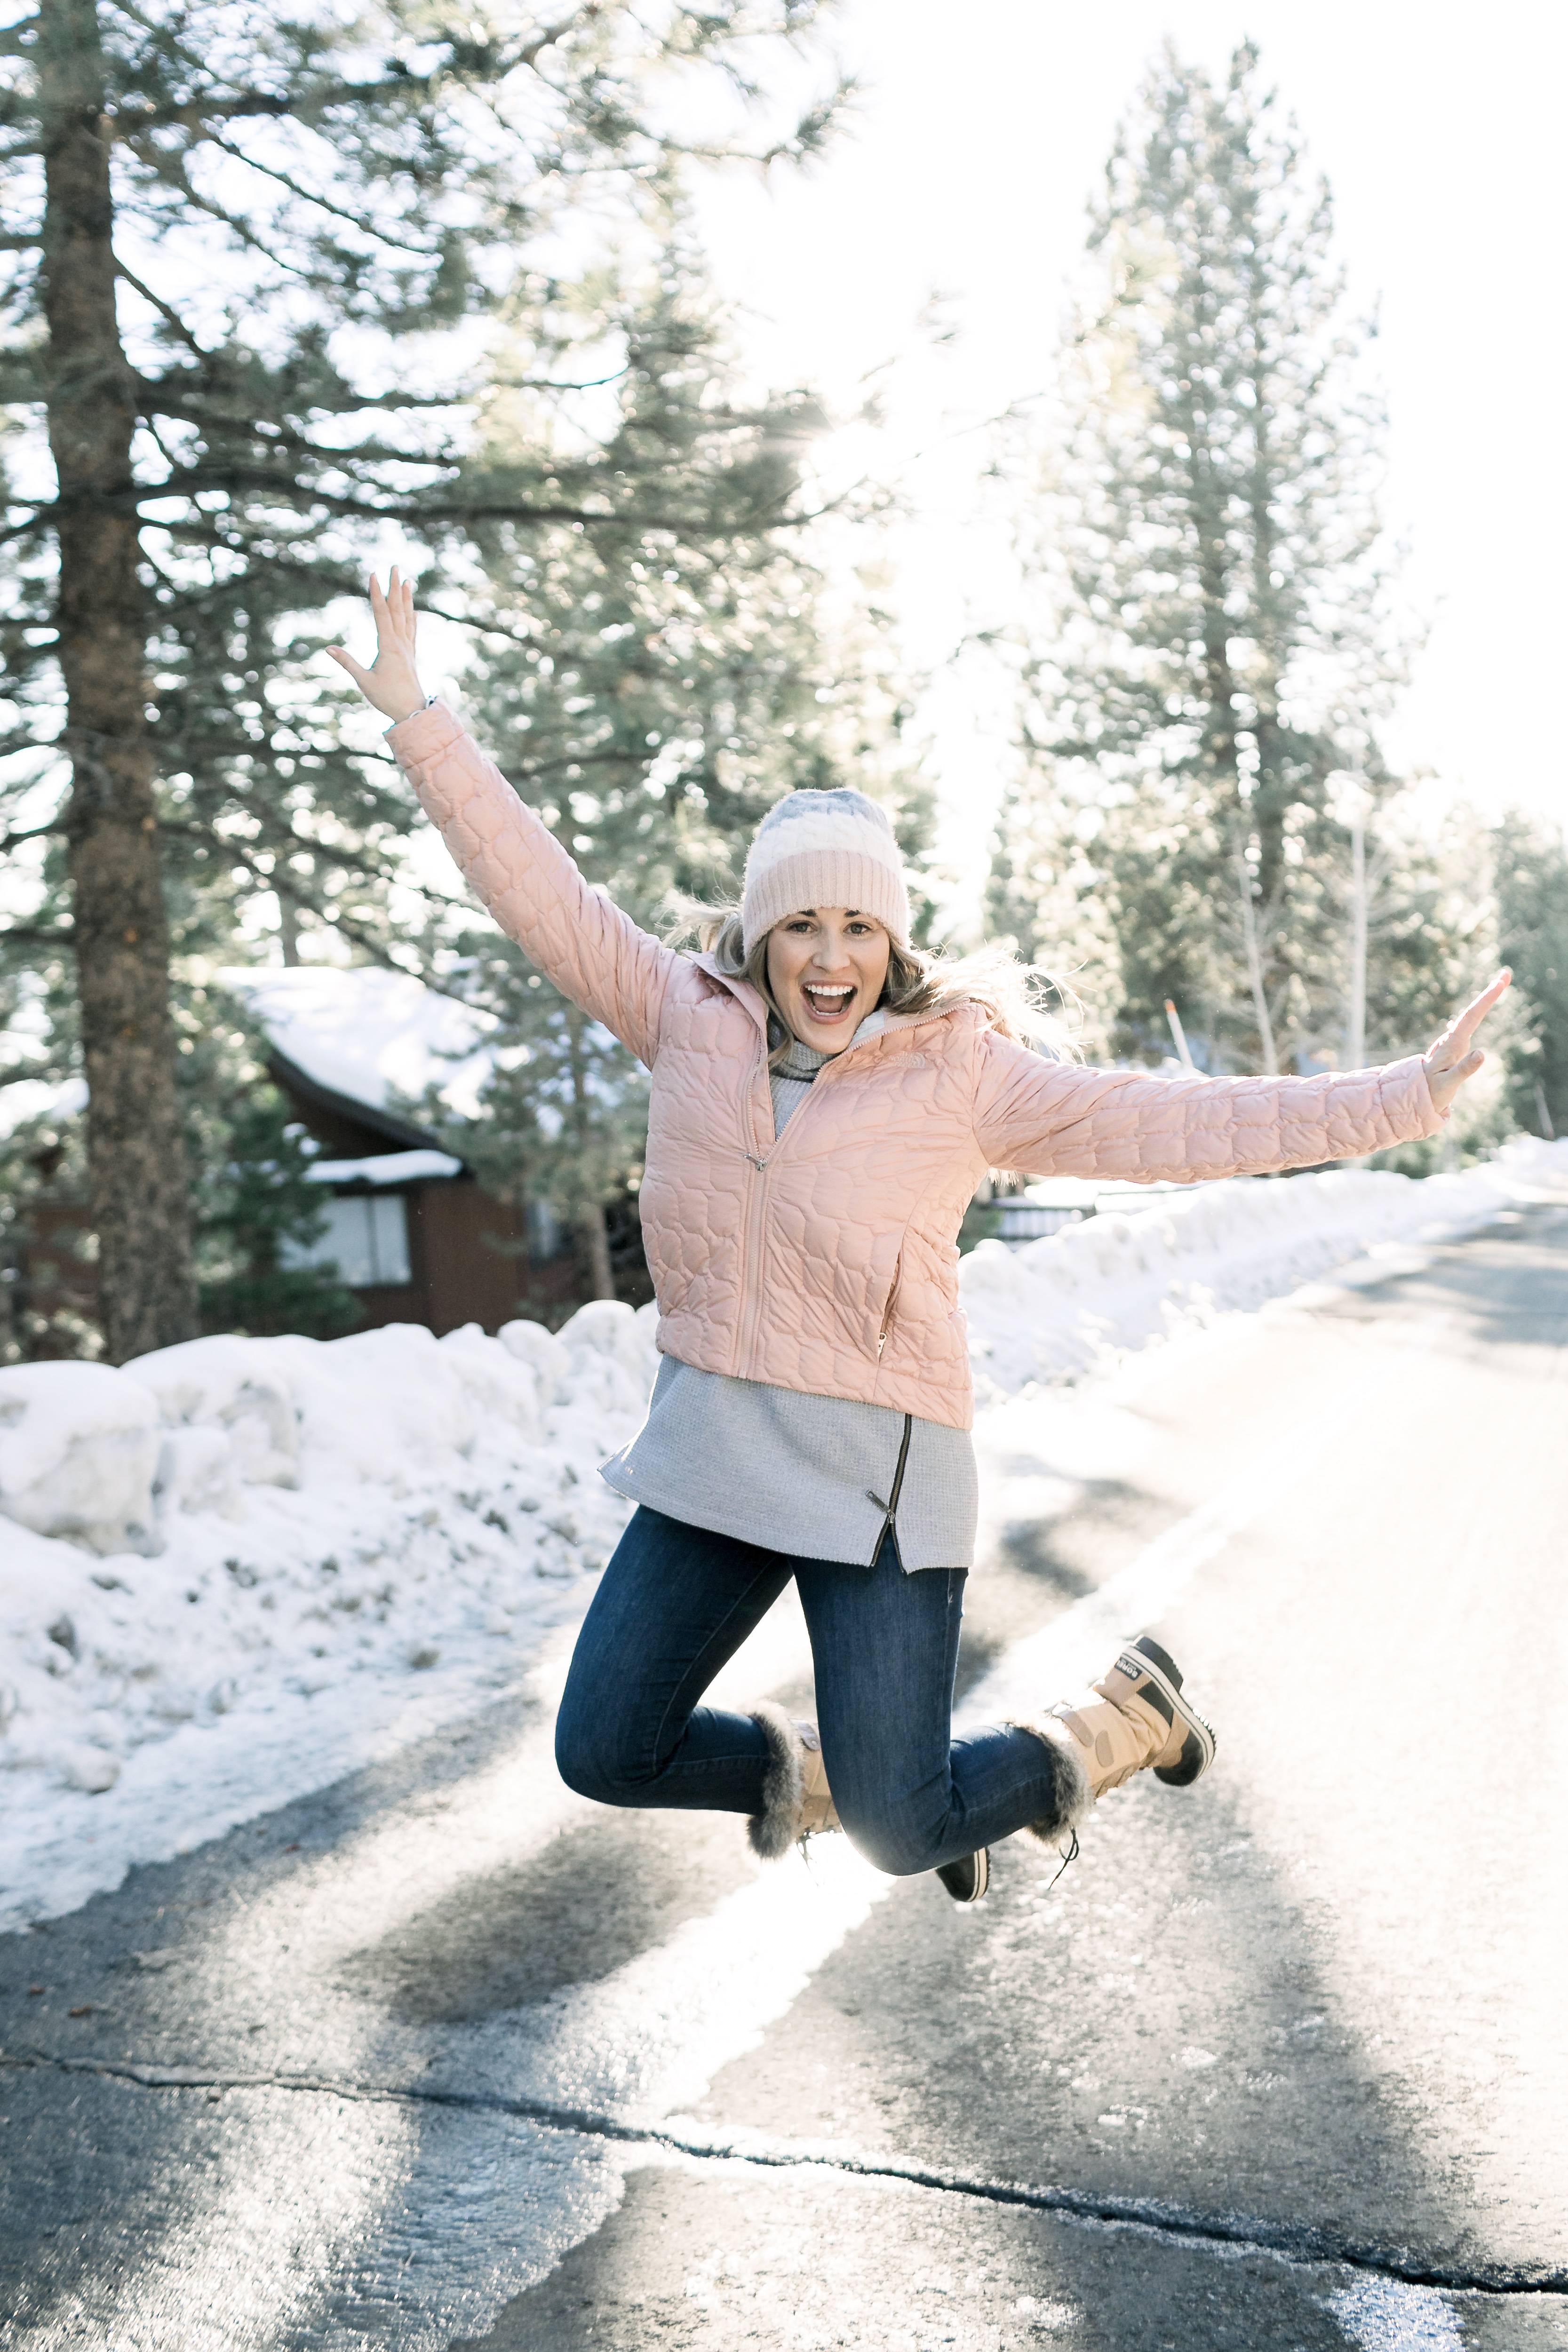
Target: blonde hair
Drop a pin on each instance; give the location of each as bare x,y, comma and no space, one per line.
1007,991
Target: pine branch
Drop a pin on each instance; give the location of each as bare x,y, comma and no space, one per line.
365,223
479,63
299,499
162,402
9,841
164,310
239,229
470,62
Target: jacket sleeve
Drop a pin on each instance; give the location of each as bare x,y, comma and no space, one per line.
595,954
1057,1119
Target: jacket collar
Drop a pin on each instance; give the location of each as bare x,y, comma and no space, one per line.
741,990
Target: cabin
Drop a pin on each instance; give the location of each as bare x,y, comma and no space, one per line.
411,1230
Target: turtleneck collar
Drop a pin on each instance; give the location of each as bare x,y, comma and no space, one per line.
800,1061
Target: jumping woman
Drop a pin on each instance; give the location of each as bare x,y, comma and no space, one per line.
825,1099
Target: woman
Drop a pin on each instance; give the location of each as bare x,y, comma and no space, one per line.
824,1102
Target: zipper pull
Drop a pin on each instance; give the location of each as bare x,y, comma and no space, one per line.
758,1164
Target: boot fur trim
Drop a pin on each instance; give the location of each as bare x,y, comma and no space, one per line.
776,1827
1072,1790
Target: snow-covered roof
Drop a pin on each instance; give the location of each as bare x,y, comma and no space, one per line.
368,1033
25,1098
387,1167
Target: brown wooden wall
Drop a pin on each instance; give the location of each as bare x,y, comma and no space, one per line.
468,1258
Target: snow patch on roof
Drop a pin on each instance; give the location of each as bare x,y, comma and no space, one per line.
386,1167
369,1034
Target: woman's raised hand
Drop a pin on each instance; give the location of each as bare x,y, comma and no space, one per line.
392,682
1451,1060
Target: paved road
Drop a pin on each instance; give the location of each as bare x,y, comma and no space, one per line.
444,2057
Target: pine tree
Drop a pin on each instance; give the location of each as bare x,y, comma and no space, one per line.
652,695
1531,868
245,249
1217,643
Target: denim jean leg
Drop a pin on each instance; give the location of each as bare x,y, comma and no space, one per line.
673,1606
886,1647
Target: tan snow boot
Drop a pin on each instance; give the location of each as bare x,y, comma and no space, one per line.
797,1799
817,1810
1138,1719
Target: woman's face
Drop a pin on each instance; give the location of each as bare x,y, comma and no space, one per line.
826,967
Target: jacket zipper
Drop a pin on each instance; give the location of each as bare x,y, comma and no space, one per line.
762,1162
755,1222
753,1268
890,1508
887,1309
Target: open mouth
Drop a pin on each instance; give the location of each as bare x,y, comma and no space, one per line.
827,1004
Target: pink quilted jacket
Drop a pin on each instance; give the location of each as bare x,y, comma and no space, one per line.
826,1260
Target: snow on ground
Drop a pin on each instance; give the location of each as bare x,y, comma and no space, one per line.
234,1570
240,1567
1077,1301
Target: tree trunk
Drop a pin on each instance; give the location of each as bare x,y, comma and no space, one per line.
1254,968
289,928
140,1196
591,1212
596,1248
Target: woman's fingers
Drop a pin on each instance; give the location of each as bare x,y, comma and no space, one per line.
392,610
383,609
392,682
1452,1060
356,670
1455,1041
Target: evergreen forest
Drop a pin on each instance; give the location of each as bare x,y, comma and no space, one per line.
290,294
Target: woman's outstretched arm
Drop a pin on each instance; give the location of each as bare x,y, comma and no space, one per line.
595,954
1058,1118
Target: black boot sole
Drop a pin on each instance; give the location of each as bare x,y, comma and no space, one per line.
1145,1657
967,1880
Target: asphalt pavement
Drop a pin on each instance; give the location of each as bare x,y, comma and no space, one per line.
444,2056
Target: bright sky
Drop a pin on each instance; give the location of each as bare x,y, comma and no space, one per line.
984,131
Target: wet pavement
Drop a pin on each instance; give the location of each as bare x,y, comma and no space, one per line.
442,2055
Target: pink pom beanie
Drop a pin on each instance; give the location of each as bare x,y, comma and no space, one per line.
824,849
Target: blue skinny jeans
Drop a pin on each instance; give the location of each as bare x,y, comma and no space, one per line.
676,1602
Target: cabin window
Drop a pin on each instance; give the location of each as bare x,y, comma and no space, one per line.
543,1232
365,1237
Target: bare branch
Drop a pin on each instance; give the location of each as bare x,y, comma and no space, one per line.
164,310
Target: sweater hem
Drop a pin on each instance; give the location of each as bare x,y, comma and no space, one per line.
713,1523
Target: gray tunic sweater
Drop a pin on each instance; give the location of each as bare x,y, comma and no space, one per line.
798,1474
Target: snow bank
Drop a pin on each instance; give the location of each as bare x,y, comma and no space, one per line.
1082,1296
79,1446
330,1538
